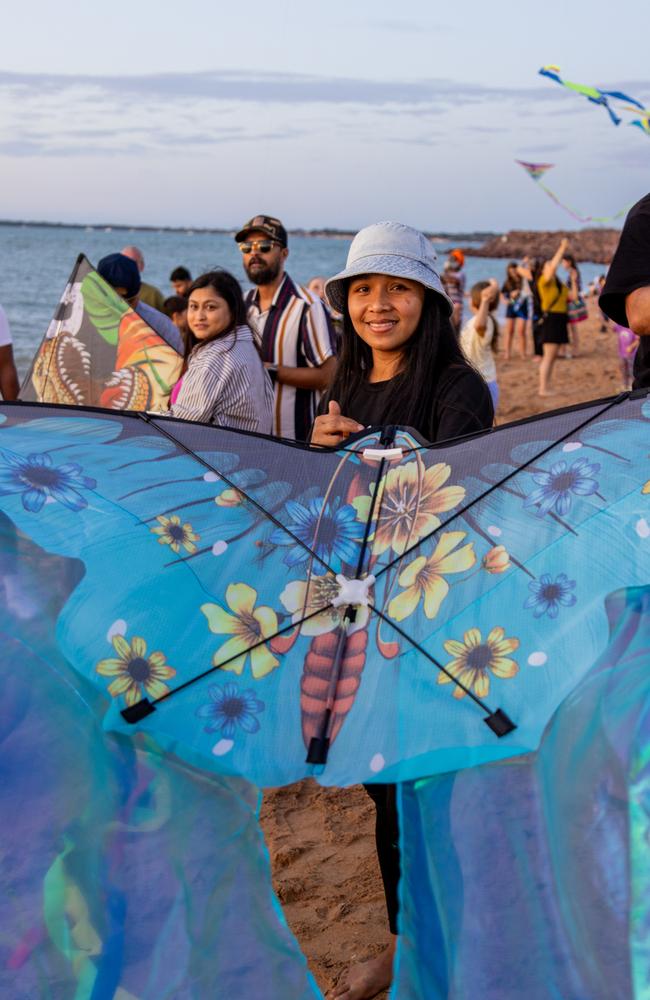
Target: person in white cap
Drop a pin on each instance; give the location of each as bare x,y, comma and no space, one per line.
399,363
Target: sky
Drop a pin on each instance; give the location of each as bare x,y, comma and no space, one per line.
202,113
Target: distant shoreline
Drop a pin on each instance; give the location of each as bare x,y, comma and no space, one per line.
587,244
326,233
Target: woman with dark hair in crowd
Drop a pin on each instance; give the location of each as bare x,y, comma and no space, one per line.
577,310
516,293
224,381
399,363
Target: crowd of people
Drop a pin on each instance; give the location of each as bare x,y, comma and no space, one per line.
294,337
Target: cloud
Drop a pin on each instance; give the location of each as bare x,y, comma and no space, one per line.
550,147
256,87
410,26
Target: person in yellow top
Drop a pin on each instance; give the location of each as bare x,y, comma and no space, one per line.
554,304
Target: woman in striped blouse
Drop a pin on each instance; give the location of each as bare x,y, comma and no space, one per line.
225,382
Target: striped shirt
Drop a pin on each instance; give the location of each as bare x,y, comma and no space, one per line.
226,384
295,331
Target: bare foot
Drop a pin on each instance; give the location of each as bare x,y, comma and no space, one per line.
366,980
549,392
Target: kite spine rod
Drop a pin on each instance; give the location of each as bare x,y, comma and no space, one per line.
319,745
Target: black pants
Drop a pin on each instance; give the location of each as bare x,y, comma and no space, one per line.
387,840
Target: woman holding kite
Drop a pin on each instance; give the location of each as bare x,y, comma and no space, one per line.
399,363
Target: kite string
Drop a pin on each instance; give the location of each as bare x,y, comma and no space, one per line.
236,656
432,659
271,517
573,430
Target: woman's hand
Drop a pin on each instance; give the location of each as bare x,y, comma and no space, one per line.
331,428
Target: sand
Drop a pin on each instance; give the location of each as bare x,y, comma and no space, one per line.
321,840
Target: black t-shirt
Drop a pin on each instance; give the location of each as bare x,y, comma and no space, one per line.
460,405
630,269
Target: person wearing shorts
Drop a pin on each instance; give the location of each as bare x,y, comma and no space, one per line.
554,303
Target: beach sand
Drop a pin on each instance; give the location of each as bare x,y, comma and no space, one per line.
321,840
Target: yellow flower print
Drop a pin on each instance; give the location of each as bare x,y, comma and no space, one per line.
646,488
497,560
412,499
171,532
135,673
424,578
474,659
247,625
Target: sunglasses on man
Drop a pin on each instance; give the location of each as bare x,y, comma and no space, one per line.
259,246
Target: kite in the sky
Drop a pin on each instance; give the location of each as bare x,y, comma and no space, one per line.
188,609
595,95
537,170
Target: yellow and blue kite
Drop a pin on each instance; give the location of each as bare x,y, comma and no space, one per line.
602,97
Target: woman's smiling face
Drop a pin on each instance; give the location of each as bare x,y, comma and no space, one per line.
384,310
208,314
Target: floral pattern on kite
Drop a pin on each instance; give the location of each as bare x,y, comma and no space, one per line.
230,708
171,532
98,352
228,548
474,659
135,674
39,481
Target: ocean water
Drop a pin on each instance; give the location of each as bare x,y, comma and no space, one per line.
36,262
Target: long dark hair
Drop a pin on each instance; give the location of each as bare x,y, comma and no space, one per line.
427,354
513,282
226,285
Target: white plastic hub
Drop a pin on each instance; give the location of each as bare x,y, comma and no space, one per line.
353,592
376,454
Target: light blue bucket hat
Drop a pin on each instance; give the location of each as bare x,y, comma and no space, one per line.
389,248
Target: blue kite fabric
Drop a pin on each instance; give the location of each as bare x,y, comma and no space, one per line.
208,548
531,877
200,569
127,873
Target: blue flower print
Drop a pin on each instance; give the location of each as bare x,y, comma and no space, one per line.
228,708
334,539
557,487
37,478
546,595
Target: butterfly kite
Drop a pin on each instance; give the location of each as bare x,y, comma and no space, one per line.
190,612
603,98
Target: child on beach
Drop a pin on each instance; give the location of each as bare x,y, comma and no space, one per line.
479,335
627,346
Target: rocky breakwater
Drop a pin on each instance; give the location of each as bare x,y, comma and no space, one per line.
597,245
